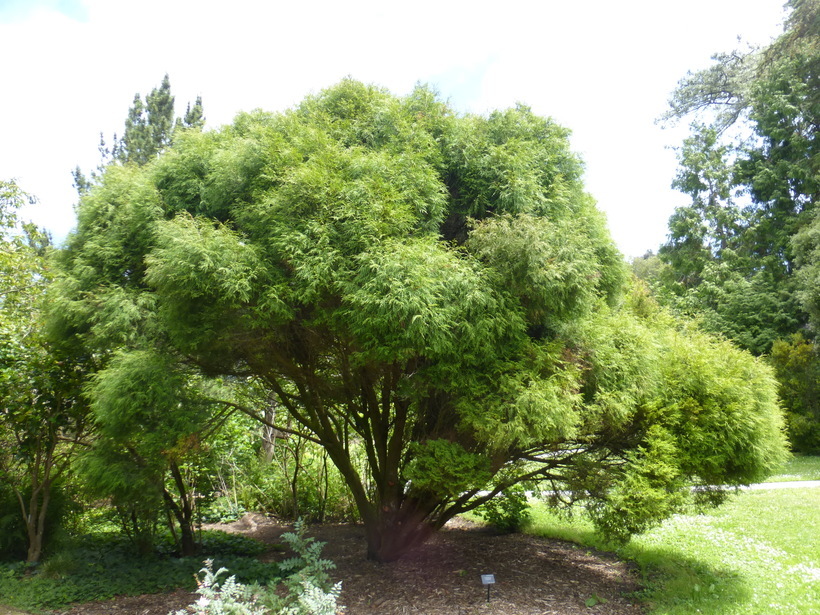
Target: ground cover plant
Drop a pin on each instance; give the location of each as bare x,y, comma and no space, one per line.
309,590
102,565
739,558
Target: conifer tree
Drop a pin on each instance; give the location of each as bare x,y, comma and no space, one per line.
436,301
148,126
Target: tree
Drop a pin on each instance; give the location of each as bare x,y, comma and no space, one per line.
152,424
149,129
752,172
772,165
798,371
433,298
194,116
43,414
148,126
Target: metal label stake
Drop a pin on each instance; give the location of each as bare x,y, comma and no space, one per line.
488,580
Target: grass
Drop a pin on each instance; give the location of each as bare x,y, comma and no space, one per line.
799,467
756,555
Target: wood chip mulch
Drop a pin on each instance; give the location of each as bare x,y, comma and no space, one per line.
533,576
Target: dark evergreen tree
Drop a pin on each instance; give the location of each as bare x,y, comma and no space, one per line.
752,171
148,127
194,116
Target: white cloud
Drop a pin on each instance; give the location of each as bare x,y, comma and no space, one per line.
603,69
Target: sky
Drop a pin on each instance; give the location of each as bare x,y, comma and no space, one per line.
603,69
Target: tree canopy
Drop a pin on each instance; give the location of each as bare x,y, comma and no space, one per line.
741,255
42,414
149,129
432,297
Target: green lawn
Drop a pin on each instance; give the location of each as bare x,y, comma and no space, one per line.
759,554
799,467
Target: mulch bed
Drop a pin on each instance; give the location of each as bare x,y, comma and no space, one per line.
533,576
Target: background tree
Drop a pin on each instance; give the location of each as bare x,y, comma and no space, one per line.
153,423
149,129
194,116
43,414
752,173
433,298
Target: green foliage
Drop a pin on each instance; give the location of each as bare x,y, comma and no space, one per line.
149,125
775,89
742,257
101,566
148,419
594,600
42,411
507,512
22,266
651,488
256,469
797,366
432,299
806,245
439,466
149,129
308,586
711,386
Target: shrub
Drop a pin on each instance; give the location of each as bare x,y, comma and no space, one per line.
231,598
508,512
309,589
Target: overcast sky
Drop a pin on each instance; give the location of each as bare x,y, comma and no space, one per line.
604,69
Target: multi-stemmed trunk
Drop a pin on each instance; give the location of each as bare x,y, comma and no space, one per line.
35,517
395,531
183,512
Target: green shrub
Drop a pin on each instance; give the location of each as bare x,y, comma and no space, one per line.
309,590
508,512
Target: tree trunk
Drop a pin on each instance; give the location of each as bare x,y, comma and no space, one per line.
188,540
184,513
35,546
398,528
35,518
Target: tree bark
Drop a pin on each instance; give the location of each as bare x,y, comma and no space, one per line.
401,524
184,513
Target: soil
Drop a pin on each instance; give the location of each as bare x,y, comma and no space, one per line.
441,577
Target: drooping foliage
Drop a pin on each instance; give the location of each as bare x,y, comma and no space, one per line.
432,297
151,420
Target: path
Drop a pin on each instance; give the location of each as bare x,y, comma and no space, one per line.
794,484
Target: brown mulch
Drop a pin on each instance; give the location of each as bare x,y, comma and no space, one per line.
533,576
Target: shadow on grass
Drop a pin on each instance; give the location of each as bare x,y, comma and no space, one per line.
672,583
